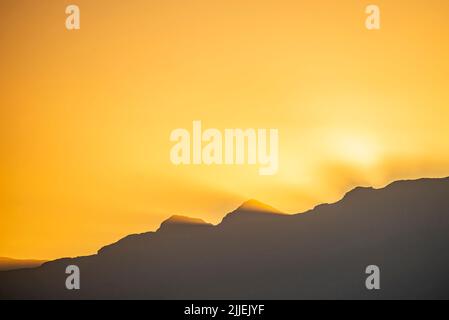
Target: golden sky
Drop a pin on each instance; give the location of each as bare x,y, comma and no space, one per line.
86,115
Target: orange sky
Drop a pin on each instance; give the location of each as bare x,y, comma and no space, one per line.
86,115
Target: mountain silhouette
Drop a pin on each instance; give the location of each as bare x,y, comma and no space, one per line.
257,252
182,222
251,211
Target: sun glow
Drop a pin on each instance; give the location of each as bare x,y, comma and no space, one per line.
355,150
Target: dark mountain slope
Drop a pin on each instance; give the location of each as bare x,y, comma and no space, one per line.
259,253
13,264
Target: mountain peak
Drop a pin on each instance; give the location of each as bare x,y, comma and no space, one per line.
182,221
253,205
250,211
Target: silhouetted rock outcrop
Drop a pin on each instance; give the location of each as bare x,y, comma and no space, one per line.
259,253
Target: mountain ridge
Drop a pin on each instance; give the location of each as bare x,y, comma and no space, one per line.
177,218
321,253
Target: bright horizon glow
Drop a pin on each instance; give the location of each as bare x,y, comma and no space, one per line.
86,115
